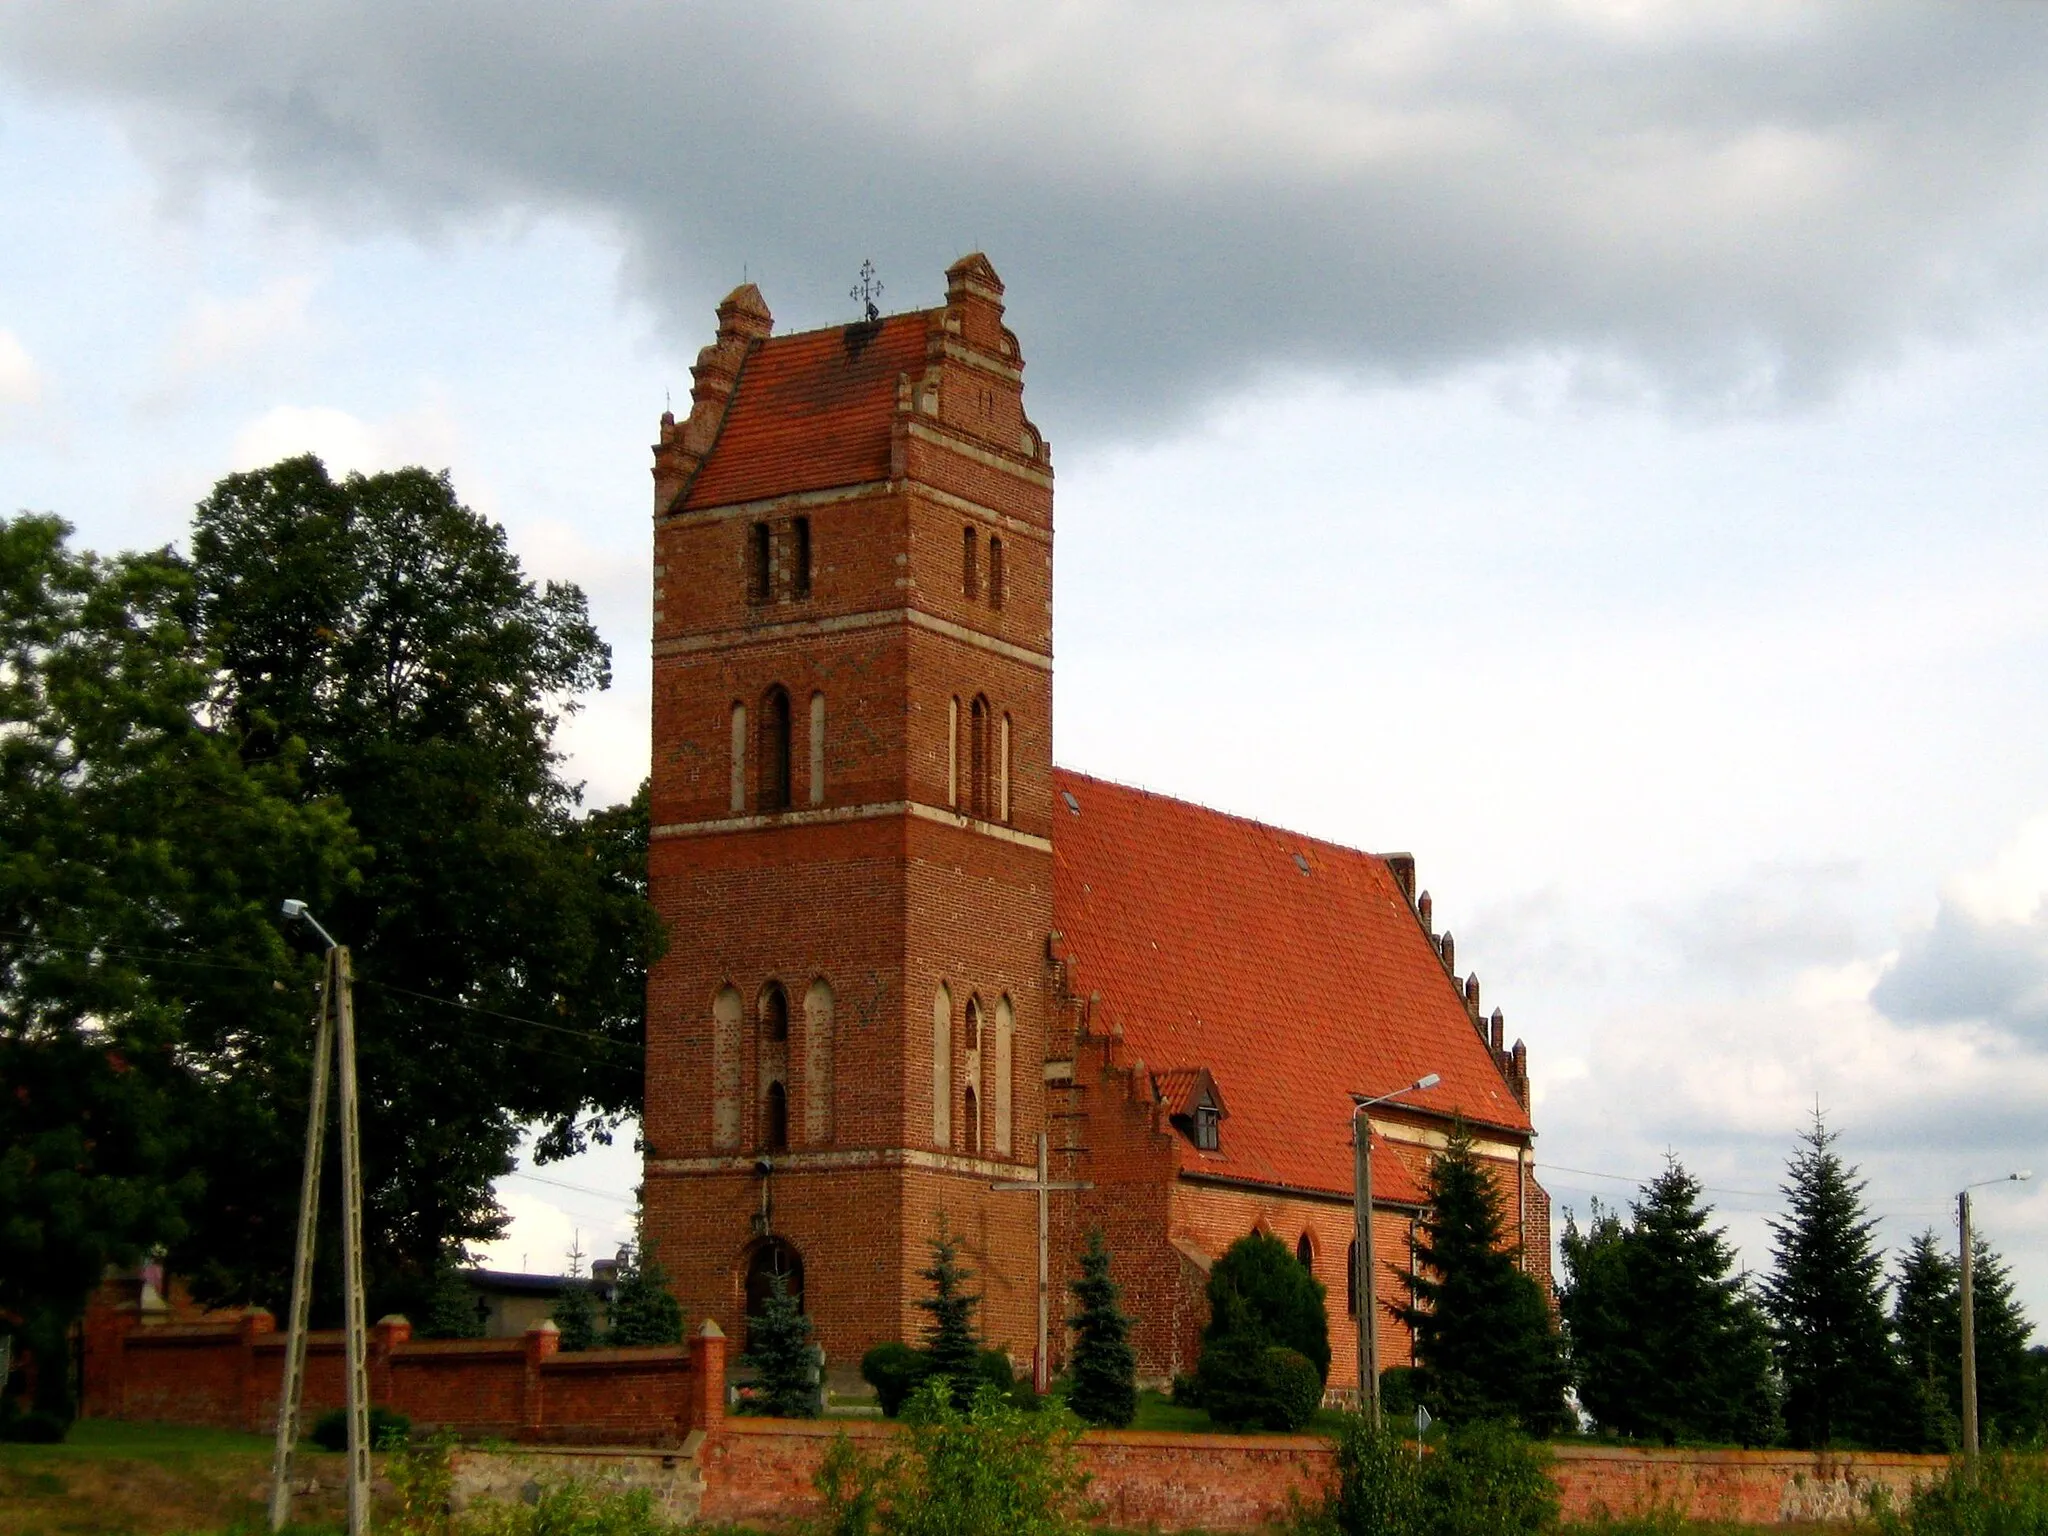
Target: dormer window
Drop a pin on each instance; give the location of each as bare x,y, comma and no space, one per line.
1208,1127
1193,1105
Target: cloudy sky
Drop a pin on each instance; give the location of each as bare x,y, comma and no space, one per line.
1595,445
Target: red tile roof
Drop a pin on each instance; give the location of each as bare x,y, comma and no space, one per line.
1212,946
811,411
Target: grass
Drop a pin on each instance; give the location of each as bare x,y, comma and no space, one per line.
132,1479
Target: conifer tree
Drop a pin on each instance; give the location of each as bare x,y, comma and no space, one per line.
574,1315
2006,1408
643,1311
1594,1303
1826,1303
1485,1347
779,1354
951,1344
1927,1321
1105,1389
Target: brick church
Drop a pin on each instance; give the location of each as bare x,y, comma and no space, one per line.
903,945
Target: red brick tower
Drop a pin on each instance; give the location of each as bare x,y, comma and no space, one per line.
852,805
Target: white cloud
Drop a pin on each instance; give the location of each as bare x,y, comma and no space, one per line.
21,382
345,442
219,333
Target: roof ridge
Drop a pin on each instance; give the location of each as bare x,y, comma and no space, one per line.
847,325
1217,811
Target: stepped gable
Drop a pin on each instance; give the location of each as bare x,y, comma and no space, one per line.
811,411
1209,947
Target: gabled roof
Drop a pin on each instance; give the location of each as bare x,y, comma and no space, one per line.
1183,1089
1292,969
811,411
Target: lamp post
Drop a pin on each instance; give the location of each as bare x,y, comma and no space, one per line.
1362,1282
334,1040
1968,1248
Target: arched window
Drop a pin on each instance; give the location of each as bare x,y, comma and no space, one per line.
760,567
953,752
776,1130
739,759
727,1016
1305,1253
1351,1279
774,789
773,1257
972,1105
774,1012
1006,1050
977,757
817,749
1003,772
942,1066
818,1043
974,1024
970,581
995,572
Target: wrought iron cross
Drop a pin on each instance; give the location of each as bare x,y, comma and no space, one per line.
867,290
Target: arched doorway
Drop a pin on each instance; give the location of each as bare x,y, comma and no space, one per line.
774,1256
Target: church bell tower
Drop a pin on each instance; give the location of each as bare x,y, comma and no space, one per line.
852,808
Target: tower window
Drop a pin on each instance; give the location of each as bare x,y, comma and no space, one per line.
972,1106
970,577
978,758
1208,1127
817,749
774,791
1003,772
739,759
760,564
778,1118
953,752
800,557
995,572
774,1013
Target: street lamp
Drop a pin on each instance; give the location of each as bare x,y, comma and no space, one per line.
1362,1284
1969,1315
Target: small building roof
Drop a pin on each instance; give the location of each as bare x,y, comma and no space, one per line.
1292,969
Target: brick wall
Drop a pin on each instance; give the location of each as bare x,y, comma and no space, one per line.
229,1375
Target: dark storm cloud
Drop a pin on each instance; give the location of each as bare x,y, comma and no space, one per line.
1727,204
1965,968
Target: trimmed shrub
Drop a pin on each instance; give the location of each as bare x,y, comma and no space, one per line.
330,1430
894,1371
1293,1389
1259,1284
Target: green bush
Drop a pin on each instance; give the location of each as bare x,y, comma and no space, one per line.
1484,1480
2007,1495
1487,1480
1259,1284
1294,1390
569,1508
330,1430
894,1371
38,1426
1187,1391
993,1470
1397,1393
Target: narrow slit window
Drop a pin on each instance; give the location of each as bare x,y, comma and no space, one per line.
739,759
995,572
760,563
817,749
970,577
774,788
953,752
977,759
1003,772
800,558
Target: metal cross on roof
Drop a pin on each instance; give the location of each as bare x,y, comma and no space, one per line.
867,290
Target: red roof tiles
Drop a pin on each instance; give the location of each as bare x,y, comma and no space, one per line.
1212,946
811,411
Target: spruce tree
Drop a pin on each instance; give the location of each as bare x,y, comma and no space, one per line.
450,1305
1105,1389
951,1343
1826,1303
1606,1361
574,1315
1927,1321
781,1357
643,1311
1705,1362
1485,1345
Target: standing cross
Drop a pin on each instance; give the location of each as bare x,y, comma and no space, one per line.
1043,1185
867,290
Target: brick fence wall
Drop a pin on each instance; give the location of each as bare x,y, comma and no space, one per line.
228,1375
762,1470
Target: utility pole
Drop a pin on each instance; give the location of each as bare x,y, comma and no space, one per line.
1968,1248
1364,1301
1042,1186
334,1041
